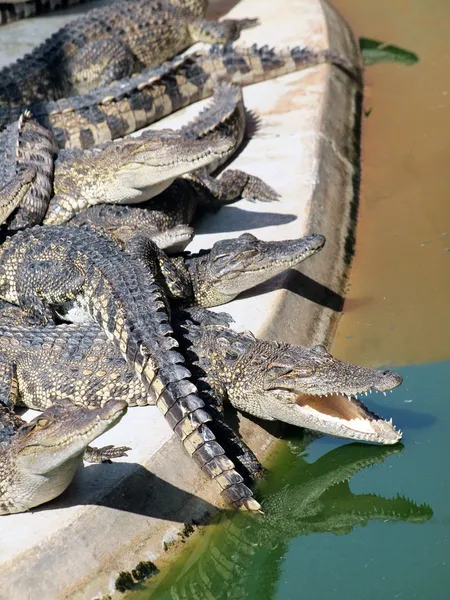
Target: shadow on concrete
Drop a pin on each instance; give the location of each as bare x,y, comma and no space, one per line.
303,286
233,218
219,9
135,490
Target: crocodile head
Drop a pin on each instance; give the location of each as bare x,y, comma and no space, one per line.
235,265
129,172
306,387
151,162
45,453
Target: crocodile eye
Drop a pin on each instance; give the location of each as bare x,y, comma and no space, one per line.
43,423
277,370
231,356
223,343
220,258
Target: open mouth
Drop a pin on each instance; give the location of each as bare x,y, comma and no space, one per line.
346,416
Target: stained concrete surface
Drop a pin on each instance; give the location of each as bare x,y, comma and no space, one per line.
115,515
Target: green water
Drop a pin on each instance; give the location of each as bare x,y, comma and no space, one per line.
347,520
342,520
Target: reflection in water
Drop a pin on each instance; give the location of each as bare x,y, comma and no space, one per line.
242,558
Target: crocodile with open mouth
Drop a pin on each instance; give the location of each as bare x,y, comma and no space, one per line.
306,387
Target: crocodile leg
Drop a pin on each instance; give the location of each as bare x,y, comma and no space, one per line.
104,454
232,185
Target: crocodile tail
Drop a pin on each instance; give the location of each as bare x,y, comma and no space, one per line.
185,412
126,106
167,381
15,11
35,149
225,116
162,370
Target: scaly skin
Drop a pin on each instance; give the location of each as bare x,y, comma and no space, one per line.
107,44
218,275
259,377
38,460
137,169
241,558
46,266
233,266
118,109
278,381
15,191
175,207
131,170
27,145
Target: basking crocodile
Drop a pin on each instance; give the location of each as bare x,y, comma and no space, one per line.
120,108
122,172
269,380
279,381
109,43
168,214
38,459
217,275
242,555
48,266
134,169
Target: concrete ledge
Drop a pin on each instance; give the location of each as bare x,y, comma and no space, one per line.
306,147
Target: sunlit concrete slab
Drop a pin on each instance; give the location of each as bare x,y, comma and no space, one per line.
306,147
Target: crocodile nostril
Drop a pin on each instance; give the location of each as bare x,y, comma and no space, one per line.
386,372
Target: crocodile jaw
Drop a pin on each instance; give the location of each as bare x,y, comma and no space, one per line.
336,415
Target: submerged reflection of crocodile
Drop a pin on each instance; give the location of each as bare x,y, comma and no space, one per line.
240,559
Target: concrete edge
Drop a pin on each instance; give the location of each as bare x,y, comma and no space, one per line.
332,211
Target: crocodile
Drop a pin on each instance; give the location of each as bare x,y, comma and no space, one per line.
134,169
120,172
307,387
167,216
13,11
38,459
218,275
43,267
109,43
241,556
130,104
